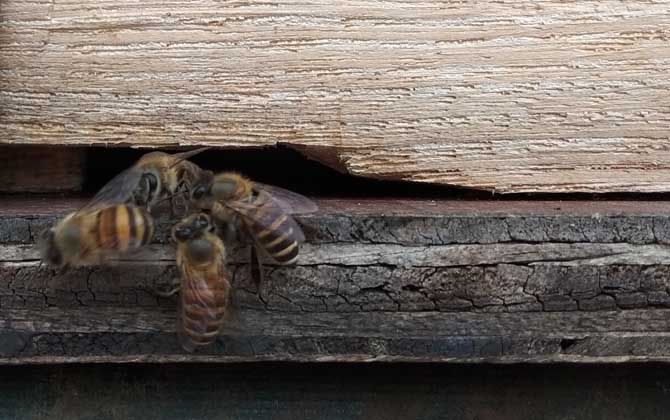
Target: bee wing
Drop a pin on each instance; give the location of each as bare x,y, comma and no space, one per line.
203,298
118,190
289,201
265,211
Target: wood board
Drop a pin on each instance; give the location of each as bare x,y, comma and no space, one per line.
528,96
444,281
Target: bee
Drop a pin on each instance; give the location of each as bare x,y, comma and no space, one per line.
258,211
204,282
155,177
90,236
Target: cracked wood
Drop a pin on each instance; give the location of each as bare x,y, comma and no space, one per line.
121,335
420,256
447,281
529,96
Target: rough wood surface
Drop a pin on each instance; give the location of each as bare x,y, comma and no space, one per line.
127,335
41,169
510,97
425,281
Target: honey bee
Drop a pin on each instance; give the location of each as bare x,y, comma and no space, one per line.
259,211
204,282
155,177
90,236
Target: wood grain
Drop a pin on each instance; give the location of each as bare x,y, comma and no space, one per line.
418,256
415,281
529,96
126,335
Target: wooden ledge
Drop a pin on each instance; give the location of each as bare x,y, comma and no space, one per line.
461,281
87,335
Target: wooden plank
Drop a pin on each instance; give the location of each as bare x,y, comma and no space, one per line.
41,169
529,96
424,281
115,335
419,256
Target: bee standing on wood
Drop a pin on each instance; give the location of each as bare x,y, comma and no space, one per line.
259,211
204,282
90,236
155,177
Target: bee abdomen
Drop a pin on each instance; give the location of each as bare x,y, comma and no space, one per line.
122,228
202,317
279,241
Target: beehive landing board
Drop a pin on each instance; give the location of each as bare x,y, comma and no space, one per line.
446,281
523,96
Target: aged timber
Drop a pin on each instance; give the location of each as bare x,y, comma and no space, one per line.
534,96
422,281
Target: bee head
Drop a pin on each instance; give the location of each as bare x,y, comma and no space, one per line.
192,227
182,233
202,223
151,187
200,191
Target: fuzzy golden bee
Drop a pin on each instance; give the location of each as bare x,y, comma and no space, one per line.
259,211
155,177
90,236
204,284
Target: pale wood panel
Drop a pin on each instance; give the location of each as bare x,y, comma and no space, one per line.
511,97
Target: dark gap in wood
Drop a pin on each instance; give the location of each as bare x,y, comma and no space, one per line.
329,392
566,343
290,169
279,166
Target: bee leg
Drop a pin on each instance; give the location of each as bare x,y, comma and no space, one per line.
62,270
175,285
256,268
227,232
166,293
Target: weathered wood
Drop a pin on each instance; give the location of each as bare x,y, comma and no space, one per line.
422,256
509,97
41,169
424,281
129,335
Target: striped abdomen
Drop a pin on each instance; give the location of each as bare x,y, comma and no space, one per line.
122,228
273,230
203,297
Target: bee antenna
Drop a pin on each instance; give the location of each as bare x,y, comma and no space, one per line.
180,157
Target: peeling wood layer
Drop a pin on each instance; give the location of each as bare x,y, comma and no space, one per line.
530,96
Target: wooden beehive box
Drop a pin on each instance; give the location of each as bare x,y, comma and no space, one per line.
481,170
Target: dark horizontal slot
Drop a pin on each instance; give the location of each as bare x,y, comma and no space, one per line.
279,166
